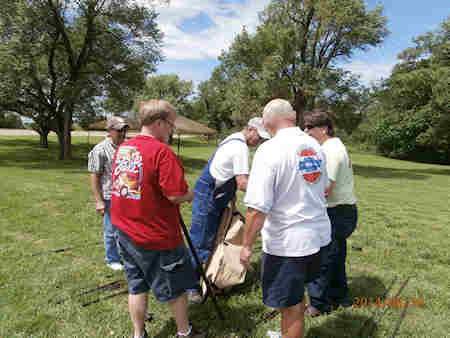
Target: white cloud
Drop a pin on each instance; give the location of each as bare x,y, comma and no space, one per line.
370,71
228,19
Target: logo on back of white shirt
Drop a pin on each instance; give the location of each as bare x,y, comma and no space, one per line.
310,165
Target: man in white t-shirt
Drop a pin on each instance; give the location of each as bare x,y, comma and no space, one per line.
286,202
226,171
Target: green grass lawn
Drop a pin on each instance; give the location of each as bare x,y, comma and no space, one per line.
47,205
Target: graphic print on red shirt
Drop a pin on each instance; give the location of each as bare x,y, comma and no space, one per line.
145,171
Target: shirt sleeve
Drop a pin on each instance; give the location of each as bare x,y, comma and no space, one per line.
96,162
333,160
171,174
261,183
241,164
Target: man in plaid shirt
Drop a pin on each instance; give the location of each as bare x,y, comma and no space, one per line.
100,167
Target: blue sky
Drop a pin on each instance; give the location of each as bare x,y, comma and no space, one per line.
197,30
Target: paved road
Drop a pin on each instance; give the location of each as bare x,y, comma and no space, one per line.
25,132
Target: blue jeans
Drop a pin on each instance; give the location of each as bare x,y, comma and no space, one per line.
332,283
110,236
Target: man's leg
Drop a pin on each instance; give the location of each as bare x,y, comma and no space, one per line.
137,306
339,288
293,321
178,307
318,289
109,237
345,217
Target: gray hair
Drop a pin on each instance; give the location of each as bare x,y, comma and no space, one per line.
279,108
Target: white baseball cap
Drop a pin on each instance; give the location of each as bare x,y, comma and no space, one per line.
257,123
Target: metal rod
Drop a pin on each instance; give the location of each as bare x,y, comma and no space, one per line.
106,297
63,249
400,320
202,272
377,319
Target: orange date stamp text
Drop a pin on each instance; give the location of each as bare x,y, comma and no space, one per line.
393,302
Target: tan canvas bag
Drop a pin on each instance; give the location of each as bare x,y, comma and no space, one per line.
224,268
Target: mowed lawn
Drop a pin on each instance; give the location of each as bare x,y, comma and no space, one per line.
54,282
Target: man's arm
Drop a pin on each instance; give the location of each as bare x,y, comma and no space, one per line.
97,190
330,188
181,198
241,182
254,221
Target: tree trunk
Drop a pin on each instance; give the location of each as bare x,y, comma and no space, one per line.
58,128
67,145
299,107
43,142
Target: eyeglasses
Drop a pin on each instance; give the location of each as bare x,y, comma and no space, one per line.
170,123
123,129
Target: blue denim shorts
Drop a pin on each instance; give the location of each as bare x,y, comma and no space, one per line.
168,273
284,278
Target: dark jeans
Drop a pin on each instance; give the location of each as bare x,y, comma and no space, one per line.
332,283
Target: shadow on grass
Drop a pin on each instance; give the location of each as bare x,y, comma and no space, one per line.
353,322
343,324
27,153
193,143
192,164
410,174
239,322
365,287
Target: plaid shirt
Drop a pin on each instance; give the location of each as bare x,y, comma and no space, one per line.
100,160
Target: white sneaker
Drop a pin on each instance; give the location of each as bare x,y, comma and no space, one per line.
115,266
194,297
274,334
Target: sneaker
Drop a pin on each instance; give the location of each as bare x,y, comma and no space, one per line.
115,266
274,334
194,297
148,316
194,334
144,335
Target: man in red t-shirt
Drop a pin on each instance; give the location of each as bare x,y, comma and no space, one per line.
148,185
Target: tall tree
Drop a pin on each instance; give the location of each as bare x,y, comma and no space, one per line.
414,109
212,104
57,56
297,45
170,88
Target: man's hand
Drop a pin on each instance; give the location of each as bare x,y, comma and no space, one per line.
100,207
246,254
188,197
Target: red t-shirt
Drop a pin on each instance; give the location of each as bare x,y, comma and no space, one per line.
145,170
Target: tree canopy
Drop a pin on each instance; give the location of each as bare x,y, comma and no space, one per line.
295,50
171,88
58,58
414,108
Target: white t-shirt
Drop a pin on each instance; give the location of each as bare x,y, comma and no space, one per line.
287,182
230,160
339,167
